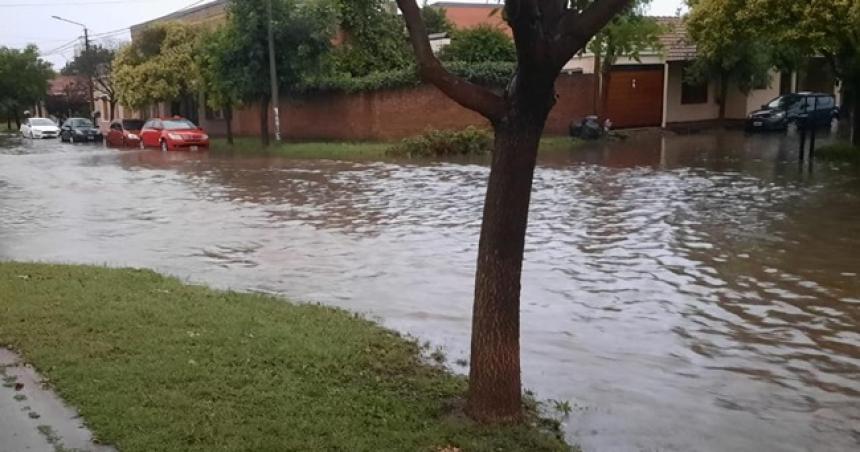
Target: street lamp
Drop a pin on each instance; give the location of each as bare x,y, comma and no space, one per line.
86,50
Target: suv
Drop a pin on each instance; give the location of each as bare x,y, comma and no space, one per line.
817,108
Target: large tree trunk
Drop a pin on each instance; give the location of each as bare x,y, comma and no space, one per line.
494,377
228,116
112,110
264,121
723,93
855,127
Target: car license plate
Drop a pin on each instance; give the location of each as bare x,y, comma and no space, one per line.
194,148
757,123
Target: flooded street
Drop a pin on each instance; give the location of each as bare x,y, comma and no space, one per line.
683,292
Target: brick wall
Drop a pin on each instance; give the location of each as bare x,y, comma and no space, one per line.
395,114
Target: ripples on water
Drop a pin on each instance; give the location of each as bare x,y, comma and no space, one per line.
684,293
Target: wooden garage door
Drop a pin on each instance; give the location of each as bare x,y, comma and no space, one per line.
634,96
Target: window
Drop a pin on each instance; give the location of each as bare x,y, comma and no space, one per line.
694,93
825,103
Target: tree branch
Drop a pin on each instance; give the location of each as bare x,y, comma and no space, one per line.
467,94
577,28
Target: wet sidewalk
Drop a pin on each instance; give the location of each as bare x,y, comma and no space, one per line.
35,419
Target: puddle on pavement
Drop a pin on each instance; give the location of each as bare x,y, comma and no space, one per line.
683,292
33,418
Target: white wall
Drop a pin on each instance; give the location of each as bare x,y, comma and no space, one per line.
677,112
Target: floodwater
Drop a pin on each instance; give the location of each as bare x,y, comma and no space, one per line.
683,293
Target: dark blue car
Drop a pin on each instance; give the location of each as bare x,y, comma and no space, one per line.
806,108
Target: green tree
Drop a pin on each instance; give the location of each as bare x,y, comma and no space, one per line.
302,35
23,80
826,28
97,65
373,39
435,19
479,44
218,77
627,35
546,35
159,66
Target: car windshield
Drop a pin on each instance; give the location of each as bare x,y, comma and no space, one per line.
782,102
41,122
82,123
178,124
132,124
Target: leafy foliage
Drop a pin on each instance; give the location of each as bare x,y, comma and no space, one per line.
730,48
490,74
436,20
302,34
446,143
159,66
628,34
23,79
480,44
97,65
373,39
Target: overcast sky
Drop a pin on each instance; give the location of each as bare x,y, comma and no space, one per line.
29,21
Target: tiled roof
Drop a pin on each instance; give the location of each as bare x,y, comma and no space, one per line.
178,15
677,45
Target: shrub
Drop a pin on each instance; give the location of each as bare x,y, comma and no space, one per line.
445,143
484,43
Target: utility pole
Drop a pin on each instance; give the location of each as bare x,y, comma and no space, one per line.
89,69
273,76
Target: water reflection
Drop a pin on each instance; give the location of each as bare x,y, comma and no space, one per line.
687,293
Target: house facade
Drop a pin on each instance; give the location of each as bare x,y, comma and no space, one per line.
652,91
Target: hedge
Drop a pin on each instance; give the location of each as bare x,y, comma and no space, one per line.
489,74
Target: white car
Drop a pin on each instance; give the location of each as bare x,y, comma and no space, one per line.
39,128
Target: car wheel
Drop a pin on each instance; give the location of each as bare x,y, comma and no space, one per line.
164,146
72,138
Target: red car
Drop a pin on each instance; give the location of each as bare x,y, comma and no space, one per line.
125,133
173,134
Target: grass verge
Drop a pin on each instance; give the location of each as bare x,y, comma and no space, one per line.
839,152
157,365
344,150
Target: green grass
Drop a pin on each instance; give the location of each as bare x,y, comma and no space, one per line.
157,365
839,152
323,150
349,150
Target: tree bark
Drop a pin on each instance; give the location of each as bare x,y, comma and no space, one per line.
855,122
228,116
264,121
494,376
112,109
723,94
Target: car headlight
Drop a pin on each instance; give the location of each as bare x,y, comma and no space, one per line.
79,132
132,136
175,136
779,115
204,137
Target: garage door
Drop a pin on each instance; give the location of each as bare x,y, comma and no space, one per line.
634,96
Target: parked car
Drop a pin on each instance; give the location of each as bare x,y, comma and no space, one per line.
124,133
173,134
39,128
814,109
79,130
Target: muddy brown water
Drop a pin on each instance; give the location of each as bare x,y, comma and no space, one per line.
683,293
